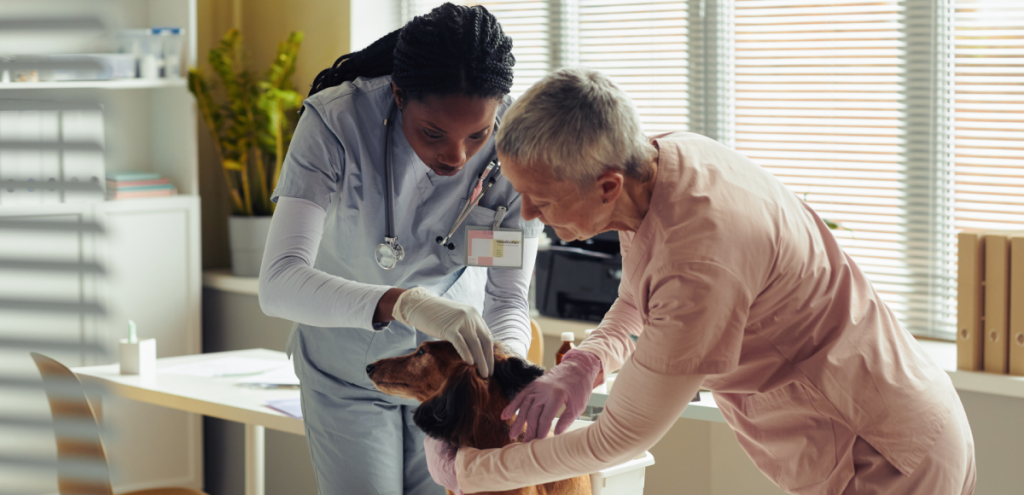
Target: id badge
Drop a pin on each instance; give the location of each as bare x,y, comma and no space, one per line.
494,248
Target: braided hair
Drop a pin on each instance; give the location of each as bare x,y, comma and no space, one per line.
451,50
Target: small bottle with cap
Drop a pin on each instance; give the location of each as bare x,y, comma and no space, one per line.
567,344
587,332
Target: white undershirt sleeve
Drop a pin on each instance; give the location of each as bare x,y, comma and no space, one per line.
506,306
292,289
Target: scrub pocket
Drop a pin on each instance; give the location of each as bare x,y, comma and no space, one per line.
789,440
479,216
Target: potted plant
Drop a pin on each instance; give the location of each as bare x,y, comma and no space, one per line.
252,121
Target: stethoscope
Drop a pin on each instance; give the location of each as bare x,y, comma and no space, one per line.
390,252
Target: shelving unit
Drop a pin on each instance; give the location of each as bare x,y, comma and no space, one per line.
149,247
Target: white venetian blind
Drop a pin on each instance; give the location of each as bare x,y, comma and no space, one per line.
990,114
642,46
526,22
837,98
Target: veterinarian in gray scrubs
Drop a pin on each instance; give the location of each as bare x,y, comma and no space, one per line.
360,207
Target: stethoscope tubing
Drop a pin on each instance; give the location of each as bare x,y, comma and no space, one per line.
491,178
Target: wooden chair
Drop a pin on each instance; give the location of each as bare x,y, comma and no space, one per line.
535,354
82,465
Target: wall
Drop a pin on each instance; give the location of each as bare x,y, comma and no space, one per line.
265,23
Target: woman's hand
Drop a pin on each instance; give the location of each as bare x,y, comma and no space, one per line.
569,384
460,324
441,463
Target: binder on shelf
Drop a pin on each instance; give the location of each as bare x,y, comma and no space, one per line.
9,158
20,131
49,158
970,337
83,165
997,302
1016,342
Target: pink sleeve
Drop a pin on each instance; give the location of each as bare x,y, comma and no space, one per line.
697,313
611,342
642,407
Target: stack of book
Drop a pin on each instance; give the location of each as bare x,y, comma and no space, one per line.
990,304
129,185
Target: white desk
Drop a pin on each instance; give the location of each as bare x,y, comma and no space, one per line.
216,397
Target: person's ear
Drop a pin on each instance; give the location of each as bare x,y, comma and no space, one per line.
399,96
446,415
610,185
514,374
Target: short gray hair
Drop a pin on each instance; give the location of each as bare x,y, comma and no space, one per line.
580,124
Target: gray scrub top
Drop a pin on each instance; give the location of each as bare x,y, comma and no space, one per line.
336,160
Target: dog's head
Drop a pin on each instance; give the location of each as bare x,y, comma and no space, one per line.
455,400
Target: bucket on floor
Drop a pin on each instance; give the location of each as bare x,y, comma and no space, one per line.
624,479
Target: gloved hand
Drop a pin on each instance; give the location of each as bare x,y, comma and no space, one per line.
460,324
441,463
569,384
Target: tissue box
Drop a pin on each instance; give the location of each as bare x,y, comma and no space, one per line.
138,358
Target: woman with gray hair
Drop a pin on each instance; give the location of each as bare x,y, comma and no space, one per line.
730,282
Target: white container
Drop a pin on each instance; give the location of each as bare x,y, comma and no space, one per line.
247,237
624,479
171,40
157,51
138,358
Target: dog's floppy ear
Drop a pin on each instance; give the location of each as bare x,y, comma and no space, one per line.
445,415
514,374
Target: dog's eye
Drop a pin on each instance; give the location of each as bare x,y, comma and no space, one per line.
421,352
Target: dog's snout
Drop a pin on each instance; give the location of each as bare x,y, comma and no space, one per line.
370,368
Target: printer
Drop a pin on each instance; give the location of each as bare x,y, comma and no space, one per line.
578,280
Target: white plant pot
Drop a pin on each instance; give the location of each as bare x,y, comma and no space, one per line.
247,237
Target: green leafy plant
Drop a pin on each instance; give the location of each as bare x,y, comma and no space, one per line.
252,120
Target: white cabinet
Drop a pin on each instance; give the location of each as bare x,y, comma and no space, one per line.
154,277
150,251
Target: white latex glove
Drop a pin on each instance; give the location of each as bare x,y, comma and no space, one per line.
460,324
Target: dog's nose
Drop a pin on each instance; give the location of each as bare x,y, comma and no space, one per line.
370,368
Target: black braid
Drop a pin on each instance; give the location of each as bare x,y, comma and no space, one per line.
451,50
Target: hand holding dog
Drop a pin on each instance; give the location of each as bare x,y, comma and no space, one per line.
569,384
441,463
460,324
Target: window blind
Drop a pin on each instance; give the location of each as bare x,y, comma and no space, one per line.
528,23
847,102
990,114
642,46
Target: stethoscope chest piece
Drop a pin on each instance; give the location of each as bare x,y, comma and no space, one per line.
389,253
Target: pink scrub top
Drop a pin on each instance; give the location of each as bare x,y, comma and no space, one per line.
730,275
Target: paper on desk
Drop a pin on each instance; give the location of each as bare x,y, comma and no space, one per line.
285,375
291,407
226,366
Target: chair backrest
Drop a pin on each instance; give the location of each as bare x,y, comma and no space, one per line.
535,354
82,467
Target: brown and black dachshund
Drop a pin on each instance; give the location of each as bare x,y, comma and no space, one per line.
460,407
